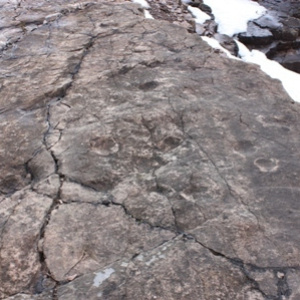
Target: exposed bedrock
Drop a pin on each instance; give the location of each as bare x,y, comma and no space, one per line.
139,163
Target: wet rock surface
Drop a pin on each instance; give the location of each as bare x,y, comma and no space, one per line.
139,163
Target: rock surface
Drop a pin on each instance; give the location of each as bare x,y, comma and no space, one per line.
277,33
139,163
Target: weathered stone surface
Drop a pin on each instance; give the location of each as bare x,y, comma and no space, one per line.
22,218
176,270
49,186
267,281
292,282
74,192
43,296
92,237
20,126
149,165
151,207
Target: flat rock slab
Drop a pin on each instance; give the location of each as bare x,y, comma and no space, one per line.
22,219
139,163
93,237
180,269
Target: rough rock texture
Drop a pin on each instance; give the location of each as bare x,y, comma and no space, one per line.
180,269
22,219
139,163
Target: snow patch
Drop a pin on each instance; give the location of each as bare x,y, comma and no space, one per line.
232,16
102,276
147,14
199,15
216,45
143,3
146,6
290,80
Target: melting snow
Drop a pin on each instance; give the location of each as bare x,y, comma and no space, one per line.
143,3
232,16
146,6
147,14
290,80
216,45
199,15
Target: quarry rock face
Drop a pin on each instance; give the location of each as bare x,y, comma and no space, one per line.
139,163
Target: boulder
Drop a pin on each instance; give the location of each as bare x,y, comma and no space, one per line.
139,163
256,35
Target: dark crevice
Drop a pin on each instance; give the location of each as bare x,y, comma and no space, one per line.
283,289
56,162
231,192
54,294
47,132
245,268
141,221
45,271
27,168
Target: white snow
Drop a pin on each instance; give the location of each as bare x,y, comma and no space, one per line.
146,6
216,45
143,3
232,16
290,80
102,276
199,15
147,14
